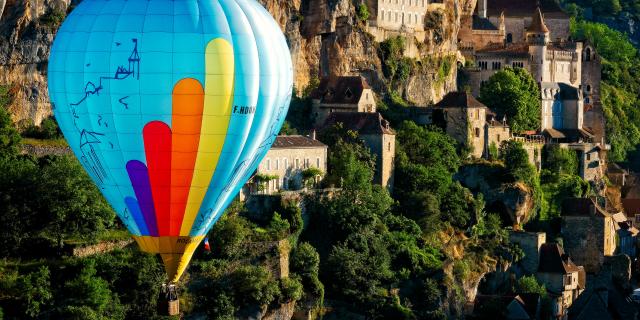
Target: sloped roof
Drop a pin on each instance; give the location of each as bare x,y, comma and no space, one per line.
582,207
519,49
458,99
340,90
362,122
285,142
524,8
537,23
554,260
480,23
588,306
631,206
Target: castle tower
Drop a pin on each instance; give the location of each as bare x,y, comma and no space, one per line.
482,8
537,36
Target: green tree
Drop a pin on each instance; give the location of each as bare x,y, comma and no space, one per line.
529,284
363,12
9,137
74,205
559,160
254,286
35,291
90,291
516,160
514,93
228,237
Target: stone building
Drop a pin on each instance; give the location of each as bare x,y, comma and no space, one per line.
632,209
626,235
377,135
470,122
288,157
398,14
563,279
341,94
530,243
588,232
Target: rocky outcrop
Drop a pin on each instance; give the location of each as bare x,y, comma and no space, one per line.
27,30
515,200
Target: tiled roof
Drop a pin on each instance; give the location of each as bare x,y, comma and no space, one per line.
340,90
510,49
524,8
284,142
459,100
554,260
362,122
537,23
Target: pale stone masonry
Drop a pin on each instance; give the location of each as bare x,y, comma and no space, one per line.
530,243
471,123
287,159
563,279
341,94
588,233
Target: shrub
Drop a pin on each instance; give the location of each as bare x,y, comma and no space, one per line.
363,12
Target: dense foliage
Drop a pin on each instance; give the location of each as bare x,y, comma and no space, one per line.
513,93
620,85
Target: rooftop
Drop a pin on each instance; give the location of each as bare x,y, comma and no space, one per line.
524,8
340,90
510,49
537,23
284,142
584,207
362,122
480,23
631,206
459,100
554,260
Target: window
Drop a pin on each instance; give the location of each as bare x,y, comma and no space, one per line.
389,146
306,163
268,164
588,88
277,164
318,162
588,156
499,138
286,163
509,38
297,163
477,132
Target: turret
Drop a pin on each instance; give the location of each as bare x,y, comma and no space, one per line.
482,8
537,37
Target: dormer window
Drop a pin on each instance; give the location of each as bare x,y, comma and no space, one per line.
348,93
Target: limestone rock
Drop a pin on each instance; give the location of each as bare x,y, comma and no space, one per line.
514,199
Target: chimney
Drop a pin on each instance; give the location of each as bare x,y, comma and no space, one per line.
313,134
482,8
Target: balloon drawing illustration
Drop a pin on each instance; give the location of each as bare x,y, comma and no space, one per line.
170,105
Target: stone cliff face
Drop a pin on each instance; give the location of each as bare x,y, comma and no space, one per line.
26,36
324,36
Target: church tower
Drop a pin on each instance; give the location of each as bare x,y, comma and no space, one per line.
537,36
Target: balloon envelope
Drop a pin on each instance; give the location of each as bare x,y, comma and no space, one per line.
170,106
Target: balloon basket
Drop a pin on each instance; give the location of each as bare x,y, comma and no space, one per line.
168,302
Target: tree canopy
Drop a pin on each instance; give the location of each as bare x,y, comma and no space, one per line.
515,94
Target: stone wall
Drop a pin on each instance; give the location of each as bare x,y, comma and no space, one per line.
384,147
100,248
530,243
584,240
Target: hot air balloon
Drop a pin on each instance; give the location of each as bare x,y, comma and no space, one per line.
170,105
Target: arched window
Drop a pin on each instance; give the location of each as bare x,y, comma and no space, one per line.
588,88
587,54
509,38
